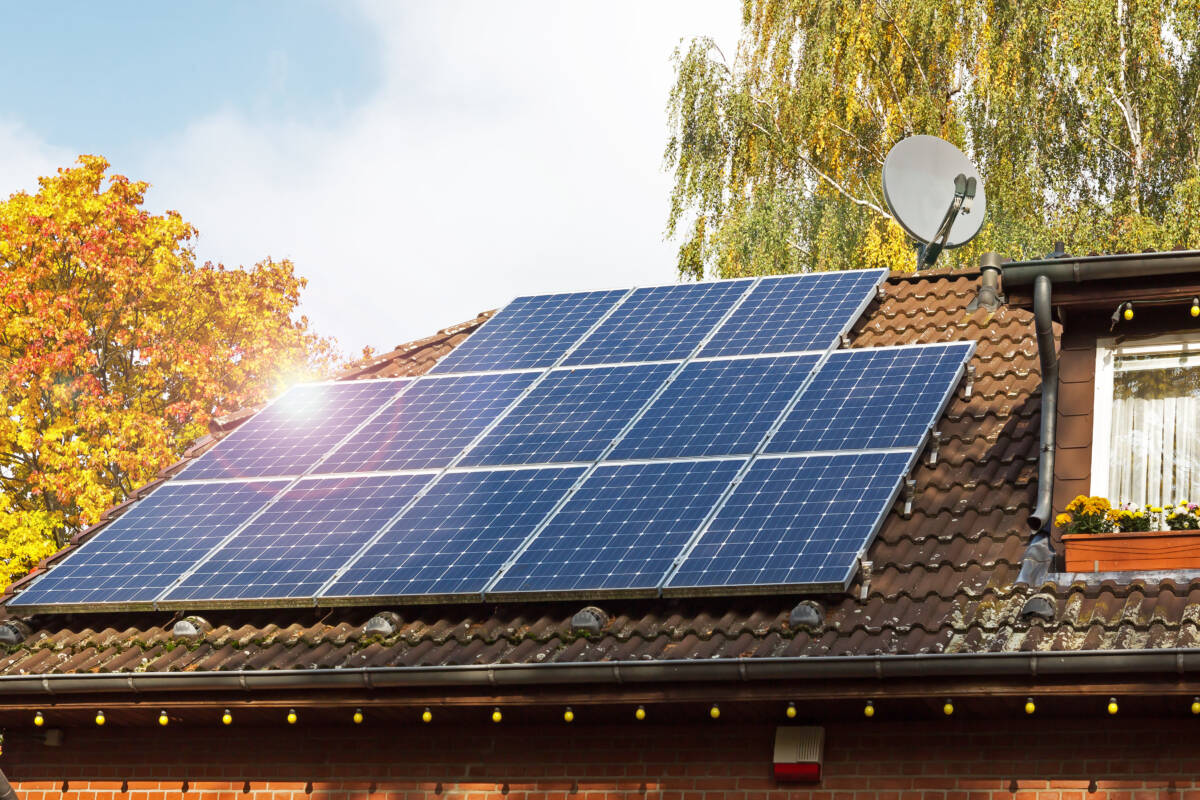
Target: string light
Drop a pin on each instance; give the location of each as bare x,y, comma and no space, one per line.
791,711
869,709
496,715
715,711
640,713
948,707
100,718
38,719
1029,706
163,719
1195,309
1113,708
292,716
426,715
568,715
1128,313
227,718
1196,705
358,716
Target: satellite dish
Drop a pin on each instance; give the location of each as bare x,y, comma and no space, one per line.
935,193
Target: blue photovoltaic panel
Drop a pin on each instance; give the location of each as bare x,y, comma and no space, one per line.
795,520
291,434
659,323
571,416
429,424
455,538
530,332
716,408
794,313
297,544
872,398
622,529
142,552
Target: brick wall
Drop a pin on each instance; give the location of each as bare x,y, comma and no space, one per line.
953,760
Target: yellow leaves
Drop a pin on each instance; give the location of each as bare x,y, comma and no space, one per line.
117,349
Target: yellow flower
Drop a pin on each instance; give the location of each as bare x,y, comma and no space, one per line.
1062,520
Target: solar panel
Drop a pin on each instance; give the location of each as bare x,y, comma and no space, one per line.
295,431
796,313
429,424
454,538
142,552
716,408
297,544
795,520
572,416
873,398
530,332
659,323
622,529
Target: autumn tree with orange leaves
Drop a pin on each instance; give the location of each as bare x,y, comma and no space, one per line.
116,349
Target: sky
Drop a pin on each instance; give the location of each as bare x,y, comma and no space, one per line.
419,162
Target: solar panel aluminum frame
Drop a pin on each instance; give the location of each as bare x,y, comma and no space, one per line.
819,588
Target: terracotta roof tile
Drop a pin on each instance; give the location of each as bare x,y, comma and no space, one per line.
942,577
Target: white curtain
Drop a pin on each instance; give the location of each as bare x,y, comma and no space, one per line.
1154,458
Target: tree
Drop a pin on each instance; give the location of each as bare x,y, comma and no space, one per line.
1081,115
116,350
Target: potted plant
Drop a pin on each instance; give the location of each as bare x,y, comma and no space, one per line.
1099,537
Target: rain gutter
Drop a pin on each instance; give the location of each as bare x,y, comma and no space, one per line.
1166,662
1068,269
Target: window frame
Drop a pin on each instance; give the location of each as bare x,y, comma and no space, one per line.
1107,350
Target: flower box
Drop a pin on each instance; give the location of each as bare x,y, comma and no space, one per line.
1122,552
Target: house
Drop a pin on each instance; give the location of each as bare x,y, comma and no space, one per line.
962,662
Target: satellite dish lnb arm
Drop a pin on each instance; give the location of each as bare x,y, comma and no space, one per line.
964,193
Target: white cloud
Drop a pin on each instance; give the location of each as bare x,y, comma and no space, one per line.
511,148
24,157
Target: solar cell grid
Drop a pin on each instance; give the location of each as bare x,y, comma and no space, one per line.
295,431
795,520
530,332
297,544
795,313
572,416
429,424
454,539
716,408
659,323
872,398
621,529
145,550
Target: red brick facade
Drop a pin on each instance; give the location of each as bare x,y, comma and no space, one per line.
960,759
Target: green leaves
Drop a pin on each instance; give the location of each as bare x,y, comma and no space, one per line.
1080,116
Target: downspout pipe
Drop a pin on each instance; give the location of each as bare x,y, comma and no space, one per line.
1039,520
6,790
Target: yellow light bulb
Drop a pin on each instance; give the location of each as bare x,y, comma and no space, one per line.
1029,706
948,707
1195,311
791,711
427,716
358,716
292,716
38,719
227,718
1113,708
1196,705
163,719
869,709
100,718
715,711
496,715
640,714
569,715
1128,313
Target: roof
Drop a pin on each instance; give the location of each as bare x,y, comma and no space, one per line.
943,576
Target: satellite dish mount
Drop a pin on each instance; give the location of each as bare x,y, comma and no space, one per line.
931,188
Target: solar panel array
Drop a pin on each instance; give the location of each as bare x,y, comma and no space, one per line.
681,439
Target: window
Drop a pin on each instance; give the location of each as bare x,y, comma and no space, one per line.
1146,444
